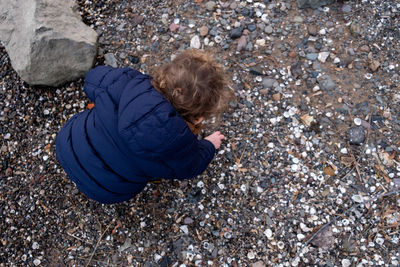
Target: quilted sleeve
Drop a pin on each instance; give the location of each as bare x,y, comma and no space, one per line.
104,77
185,154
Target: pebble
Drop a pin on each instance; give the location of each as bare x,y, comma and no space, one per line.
346,8
357,121
242,43
312,30
203,31
110,60
268,233
188,220
312,56
268,29
195,42
326,82
322,56
268,82
7,136
356,135
37,262
236,33
173,27
35,245
364,48
184,229
357,198
258,264
298,19
251,255
300,237
374,65
346,263
210,5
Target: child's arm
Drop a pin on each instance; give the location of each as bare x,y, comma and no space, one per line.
192,160
104,77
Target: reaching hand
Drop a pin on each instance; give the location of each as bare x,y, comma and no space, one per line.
215,139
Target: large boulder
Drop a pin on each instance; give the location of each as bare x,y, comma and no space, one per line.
313,3
46,40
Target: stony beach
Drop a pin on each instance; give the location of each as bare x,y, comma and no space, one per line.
309,172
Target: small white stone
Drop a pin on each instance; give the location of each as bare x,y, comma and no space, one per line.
264,18
184,229
380,241
37,262
176,21
294,167
316,88
271,145
157,257
46,112
195,42
343,150
322,32
357,198
251,255
300,236
260,42
336,60
281,245
35,245
268,233
45,157
243,187
295,160
7,136
357,121
304,227
346,263
200,184
322,56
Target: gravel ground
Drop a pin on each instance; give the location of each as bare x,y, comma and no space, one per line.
308,175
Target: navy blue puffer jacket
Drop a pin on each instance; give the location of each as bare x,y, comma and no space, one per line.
132,135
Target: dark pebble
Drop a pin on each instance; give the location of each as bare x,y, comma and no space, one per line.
356,135
236,33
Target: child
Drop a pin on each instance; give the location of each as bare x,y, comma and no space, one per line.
138,129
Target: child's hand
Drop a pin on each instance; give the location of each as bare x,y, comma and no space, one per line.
215,139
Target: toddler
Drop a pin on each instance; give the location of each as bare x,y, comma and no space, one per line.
142,128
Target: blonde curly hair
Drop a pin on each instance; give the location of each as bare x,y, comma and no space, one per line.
195,84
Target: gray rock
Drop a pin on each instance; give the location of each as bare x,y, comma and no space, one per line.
110,60
210,5
326,82
236,33
298,19
268,82
356,135
268,29
346,8
46,40
312,56
313,3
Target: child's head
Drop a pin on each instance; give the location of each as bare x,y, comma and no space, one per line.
195,84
